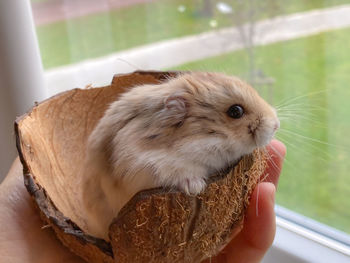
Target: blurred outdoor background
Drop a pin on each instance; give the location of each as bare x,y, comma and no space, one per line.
295,53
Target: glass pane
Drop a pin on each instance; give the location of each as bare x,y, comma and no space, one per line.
305,75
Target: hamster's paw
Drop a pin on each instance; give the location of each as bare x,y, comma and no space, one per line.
193,186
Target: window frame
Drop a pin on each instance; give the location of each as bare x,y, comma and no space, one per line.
301,239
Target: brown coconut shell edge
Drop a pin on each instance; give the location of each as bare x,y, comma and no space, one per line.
156,225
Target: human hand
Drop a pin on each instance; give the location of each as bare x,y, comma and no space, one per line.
23,240
251,244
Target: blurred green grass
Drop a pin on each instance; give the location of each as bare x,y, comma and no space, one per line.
316,175
100,34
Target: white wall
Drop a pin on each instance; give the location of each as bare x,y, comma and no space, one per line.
21,73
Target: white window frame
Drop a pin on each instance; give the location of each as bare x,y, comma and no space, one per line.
301,239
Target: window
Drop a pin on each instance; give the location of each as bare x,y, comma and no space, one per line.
294,53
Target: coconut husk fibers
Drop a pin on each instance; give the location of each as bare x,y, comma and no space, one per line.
156,225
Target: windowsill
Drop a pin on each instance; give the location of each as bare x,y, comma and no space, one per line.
296,243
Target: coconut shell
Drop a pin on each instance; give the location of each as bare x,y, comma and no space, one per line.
156,225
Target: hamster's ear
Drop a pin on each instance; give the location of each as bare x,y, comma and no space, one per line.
175,110
176,103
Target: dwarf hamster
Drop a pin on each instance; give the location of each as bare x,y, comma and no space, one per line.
174,134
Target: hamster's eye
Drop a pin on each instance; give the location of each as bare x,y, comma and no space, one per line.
235,111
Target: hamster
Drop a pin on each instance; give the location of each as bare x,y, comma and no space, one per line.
174,134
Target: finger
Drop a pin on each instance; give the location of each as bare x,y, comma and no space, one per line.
258,232
276,151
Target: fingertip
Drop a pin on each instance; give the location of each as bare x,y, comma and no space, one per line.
276,145
260,223
270,191
259,228
276,153
262,197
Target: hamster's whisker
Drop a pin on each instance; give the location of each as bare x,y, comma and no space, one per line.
271,161
278,154
290,142
310,138
309,115
305,111
293,114
314,113
302,108
129,63
288,100
309,144
303,105
299,120
306,140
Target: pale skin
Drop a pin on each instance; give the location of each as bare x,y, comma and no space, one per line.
22,238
